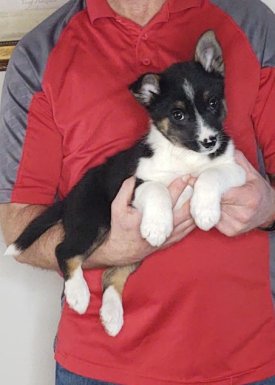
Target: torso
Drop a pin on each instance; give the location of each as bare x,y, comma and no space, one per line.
201,311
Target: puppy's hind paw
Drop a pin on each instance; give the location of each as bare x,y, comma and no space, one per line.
77,294
111,312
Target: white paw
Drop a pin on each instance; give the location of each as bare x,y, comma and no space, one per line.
77,293
12,251
156,228
111,312
205,210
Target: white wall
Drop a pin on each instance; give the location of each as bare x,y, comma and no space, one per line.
270,3
30,308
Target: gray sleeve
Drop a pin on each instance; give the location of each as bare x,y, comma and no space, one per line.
23,79
257,22
20,83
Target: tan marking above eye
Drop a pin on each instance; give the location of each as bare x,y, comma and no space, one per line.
179,104
206,95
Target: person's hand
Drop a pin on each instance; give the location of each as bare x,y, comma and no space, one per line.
247,207
125,241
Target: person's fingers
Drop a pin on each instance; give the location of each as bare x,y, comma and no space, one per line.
243,196
244,163
184,226
182,214
177,187
125,194
192,181
229,226
179,233
234,196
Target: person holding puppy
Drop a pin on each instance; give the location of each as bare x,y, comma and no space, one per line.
199,309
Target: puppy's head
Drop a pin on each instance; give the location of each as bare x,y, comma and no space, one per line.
186,101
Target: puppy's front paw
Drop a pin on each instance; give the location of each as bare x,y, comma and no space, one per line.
111,312
77,294
156,228
205,210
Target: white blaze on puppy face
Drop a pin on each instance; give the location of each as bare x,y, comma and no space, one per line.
189,90
204,131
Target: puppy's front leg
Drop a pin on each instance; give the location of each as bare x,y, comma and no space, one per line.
153,200
208,189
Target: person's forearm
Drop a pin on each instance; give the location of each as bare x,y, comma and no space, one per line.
42,252
14,218
122,246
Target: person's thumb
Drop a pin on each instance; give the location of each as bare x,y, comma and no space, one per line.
177,187
125,195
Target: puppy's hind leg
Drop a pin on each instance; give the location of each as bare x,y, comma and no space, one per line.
76,289
111,312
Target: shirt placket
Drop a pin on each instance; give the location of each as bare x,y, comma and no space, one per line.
146,47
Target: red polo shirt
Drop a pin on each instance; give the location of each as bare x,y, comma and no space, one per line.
200,311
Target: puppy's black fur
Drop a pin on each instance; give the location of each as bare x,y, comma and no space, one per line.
86,211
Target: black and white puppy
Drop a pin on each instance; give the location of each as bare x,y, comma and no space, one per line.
186,136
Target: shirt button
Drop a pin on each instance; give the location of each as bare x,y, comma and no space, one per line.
144,37
146,61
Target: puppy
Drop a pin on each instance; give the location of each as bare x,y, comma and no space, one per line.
186,136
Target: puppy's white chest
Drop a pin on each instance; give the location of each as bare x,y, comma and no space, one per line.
169,161
162,168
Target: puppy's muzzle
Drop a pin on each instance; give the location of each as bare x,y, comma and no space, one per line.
210,142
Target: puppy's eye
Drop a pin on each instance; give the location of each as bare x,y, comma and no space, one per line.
178,114
213,104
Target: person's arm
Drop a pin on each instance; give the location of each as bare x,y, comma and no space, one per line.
252,205
123,245
247,207
14,218
31,145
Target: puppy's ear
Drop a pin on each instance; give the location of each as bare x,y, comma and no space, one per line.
209,53
146,88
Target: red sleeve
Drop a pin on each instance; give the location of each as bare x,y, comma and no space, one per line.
264,118
40,166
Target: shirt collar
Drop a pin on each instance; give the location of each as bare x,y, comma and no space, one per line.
100,8
181,5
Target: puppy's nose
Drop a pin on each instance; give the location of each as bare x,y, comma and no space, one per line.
209,142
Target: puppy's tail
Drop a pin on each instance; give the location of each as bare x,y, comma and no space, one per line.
35,229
